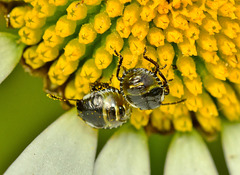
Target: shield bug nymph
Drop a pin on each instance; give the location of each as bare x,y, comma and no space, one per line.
141,87
104,107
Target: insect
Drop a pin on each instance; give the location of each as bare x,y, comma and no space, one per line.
141,87
104,107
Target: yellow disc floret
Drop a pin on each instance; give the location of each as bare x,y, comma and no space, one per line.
102,22
76,11
90,72
65,27
17,16
156,37
74,50
30,36
87,34
114,42
51,38
114,8
33,21
102,58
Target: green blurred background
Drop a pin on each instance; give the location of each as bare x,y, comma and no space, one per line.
25,112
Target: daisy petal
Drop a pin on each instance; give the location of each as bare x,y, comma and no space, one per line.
68,146
231,146
189,155
10,52
125,153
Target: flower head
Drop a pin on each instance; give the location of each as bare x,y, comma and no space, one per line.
77,41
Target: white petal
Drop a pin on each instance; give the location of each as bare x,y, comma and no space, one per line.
126,153
188,155
10,54
68,146
231,146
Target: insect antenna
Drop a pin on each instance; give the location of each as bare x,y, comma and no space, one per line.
55,97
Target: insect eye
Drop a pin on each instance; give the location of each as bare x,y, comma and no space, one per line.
121,111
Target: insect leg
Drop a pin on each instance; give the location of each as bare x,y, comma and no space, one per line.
173,103
165,84
119,65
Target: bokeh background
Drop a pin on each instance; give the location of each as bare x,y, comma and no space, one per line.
25,111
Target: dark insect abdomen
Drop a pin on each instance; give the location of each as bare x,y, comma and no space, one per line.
91,113
106,109
149,100
142,89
